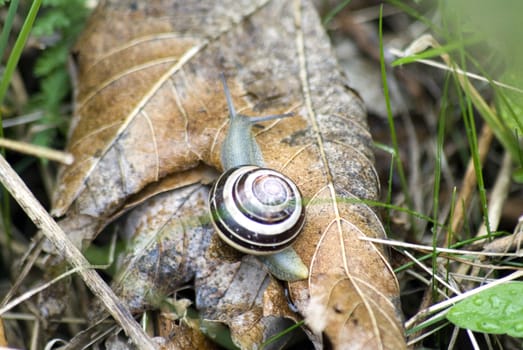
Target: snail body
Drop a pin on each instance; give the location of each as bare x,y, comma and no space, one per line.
258,211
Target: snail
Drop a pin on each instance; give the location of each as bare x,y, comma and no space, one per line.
254,209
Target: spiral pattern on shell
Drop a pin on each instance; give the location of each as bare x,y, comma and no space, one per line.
258,211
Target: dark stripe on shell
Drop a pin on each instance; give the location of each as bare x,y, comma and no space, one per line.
229,229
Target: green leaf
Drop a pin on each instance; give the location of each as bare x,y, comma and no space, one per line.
509,129
497,310
56,2
332,13
64,19
218,332
517,175
55,87
48,23
433,52
52,59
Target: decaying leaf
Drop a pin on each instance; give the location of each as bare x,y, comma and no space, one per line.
168,234
149,104
352,287
182,333
173,243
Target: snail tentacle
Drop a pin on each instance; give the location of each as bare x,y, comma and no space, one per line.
240,147
254,209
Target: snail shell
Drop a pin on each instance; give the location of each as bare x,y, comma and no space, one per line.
256,210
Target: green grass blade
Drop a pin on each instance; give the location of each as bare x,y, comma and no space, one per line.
332,13
390,117
17,49
4,84
8,24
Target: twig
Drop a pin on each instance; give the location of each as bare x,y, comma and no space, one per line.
68,250
38,151
469,182
497,199
8,305
442,66
507,243
30,257
432,249
498,196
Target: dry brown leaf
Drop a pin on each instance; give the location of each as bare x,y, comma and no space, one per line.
149,104
3,340
173,243
181,335
352,287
